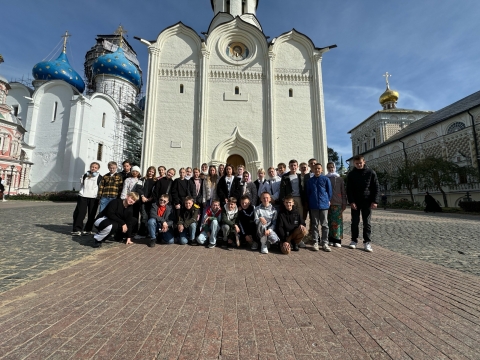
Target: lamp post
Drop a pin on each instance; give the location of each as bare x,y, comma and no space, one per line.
11,180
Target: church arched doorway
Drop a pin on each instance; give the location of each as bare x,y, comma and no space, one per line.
235,160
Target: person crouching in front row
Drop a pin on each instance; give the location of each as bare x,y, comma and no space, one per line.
161,220
117,218
265,220
290,226
210,225
230,227
187,222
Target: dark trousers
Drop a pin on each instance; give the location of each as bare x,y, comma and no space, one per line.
85,206
366,217
115,229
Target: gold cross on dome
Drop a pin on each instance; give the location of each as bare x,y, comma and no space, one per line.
387,75
65,37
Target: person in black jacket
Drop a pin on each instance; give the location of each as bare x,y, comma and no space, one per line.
291,184
146,199
362,194
290,225
181,188
116,218
163,186
228,186
246,222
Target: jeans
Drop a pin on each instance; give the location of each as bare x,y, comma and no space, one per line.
367,228
104,202
166,237
319,217
188,233
202,237
272,238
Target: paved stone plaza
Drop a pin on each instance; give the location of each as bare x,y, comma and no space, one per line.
174,302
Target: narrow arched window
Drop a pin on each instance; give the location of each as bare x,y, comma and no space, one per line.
103,120
181,88
290,93
99,152
237,90
55,108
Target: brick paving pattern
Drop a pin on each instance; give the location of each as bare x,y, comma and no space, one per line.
174,302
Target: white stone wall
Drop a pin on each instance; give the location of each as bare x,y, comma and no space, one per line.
174,115
49,135
293,115
16,97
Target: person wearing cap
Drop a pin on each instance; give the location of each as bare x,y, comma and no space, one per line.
133,184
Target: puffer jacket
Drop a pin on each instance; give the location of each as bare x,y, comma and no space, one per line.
319,192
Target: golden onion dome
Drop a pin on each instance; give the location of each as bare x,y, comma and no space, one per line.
389,96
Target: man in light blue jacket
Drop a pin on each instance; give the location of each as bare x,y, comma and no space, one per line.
319,193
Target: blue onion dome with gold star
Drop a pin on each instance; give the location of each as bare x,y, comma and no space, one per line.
59,69
117,64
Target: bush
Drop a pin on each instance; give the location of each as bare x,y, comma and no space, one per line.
67,196
405,204
470,206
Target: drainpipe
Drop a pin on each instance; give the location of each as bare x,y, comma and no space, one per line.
475,141
405,152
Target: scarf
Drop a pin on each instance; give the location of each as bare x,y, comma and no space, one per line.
161,210
230,214
333,174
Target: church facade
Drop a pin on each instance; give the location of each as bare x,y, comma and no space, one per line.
66,129
232,96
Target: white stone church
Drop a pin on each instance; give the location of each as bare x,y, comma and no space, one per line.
233,96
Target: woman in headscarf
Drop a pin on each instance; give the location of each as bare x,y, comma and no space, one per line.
338,204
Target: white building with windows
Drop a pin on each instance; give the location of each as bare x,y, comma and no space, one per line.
233,95
67,130
390,135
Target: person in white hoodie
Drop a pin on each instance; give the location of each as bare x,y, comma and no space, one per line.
87,202
265,221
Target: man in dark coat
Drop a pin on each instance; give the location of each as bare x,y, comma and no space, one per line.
362,194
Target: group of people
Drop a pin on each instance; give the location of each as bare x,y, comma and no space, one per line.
209,205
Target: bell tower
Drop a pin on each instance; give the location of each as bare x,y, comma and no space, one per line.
235,7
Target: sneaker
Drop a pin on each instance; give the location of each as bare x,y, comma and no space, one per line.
193,243
254,246
97,244
330,244
85,233
337,245
301,244
138,237
352,245
211,246
326,248
367,247
76,233
264,249
295,247
316,247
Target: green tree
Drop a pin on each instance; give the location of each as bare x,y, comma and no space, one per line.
438,173
333,157
133,122
405,178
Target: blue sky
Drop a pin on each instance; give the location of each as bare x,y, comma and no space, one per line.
431,47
